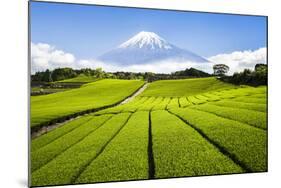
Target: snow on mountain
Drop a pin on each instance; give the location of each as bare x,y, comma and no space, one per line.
147,47
146,40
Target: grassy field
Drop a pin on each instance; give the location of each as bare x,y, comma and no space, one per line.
185,87
63,85
90,96
174,128
82,78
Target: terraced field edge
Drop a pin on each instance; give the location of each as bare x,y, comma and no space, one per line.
62,119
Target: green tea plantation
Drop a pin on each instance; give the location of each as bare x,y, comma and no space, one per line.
174,128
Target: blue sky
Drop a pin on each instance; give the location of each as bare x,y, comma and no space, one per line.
89,31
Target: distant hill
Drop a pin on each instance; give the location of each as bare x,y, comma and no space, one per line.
82,78
192,72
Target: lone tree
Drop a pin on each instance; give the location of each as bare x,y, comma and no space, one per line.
260,67
220,69
99,73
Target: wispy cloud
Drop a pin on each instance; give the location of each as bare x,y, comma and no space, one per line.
45,56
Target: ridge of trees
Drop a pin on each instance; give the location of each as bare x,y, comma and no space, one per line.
248,77
67,73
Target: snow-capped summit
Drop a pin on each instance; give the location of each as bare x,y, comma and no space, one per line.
146,39
148,47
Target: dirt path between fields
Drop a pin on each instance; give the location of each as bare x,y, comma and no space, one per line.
135,95
48,128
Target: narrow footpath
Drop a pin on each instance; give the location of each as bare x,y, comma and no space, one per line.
135,95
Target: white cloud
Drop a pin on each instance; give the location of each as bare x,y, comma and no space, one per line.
166,66
240,60
45,56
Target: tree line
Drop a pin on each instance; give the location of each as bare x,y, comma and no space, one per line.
247,77
256,77
67,73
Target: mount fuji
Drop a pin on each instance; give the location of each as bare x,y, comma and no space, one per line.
148,47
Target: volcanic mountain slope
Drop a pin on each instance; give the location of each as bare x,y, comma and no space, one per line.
147,47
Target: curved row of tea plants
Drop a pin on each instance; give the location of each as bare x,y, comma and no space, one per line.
179,150
247,145
46,153
90,96
66,166
125,157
